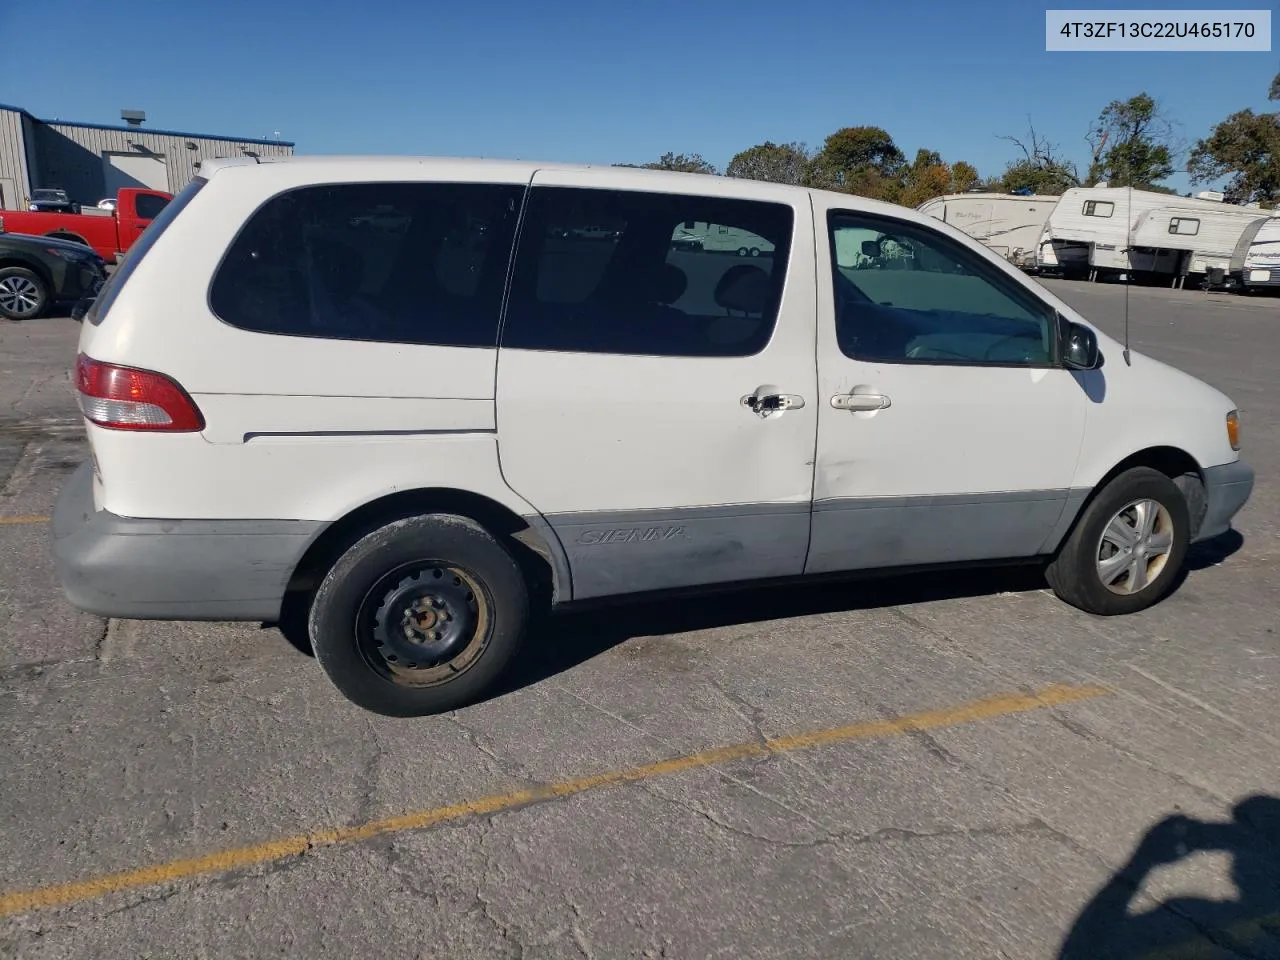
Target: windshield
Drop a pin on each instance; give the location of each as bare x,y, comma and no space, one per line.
111,289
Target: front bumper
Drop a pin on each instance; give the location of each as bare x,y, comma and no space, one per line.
1227,488
172,569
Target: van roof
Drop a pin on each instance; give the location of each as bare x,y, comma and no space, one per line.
345,165
346,161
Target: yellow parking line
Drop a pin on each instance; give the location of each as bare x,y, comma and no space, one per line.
21,521
272,850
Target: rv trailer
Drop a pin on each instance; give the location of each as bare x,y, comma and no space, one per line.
1094,232
1185,239
1008,223
1256,259
717,238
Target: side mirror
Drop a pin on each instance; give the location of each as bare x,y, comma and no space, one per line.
1080,348
871,248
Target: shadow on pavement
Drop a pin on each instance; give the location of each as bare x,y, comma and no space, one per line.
1210,553
565,640
1190,927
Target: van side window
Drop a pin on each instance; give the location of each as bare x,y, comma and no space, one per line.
654,274
906,294
1099,208
149,206
1185,226
392,262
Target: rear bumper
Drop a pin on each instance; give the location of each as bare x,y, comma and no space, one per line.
1227,488
172,569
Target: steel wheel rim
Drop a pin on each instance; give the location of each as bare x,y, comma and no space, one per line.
1135,546
19,295
451,632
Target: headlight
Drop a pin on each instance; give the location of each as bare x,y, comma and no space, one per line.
1233,429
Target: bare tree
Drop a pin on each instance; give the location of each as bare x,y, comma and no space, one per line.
1042,169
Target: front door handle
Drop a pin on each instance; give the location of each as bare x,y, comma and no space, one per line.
860,401
770,404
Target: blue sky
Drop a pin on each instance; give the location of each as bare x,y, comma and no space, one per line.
598,81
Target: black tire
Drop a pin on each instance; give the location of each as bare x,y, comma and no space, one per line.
743,251
406,570
28,279
1073,573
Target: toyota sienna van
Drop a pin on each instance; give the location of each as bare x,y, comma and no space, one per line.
410,401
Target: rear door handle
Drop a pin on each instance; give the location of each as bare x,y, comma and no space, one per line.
768,404
860,401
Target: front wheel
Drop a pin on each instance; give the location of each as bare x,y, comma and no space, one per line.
1127,548
23,295
420,616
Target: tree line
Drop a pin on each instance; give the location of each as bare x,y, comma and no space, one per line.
1132,142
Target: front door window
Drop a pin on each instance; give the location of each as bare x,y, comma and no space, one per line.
906,294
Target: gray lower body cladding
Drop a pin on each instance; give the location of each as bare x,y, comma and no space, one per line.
1226,489
858,534
637,551
239,569
172,569
612,553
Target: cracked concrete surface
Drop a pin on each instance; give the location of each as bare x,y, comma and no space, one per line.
127,743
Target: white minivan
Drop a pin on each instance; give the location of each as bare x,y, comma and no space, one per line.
405,401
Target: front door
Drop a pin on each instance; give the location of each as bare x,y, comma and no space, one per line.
947,429
656,386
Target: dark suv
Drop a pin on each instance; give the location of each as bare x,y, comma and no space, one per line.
36,272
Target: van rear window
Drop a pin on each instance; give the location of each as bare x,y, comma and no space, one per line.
120,276
417,263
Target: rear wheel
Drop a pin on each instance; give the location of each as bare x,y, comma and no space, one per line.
23,294
1126,551
420,616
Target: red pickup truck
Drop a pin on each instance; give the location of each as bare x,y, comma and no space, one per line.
110,233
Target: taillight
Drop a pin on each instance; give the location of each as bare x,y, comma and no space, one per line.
124,398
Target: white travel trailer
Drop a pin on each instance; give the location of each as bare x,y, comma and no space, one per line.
718,238
1008,223
1255,262
1089,229
1094,231
1192,239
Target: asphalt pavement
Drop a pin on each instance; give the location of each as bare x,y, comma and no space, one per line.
948,766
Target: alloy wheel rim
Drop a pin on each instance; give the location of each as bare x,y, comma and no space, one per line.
1135,546
19,295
